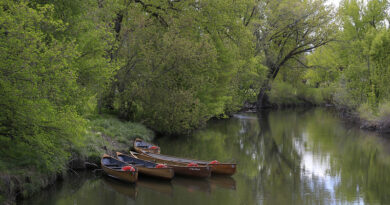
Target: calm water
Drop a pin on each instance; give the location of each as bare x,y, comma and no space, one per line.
284,157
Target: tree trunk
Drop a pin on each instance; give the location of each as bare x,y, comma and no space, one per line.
262,97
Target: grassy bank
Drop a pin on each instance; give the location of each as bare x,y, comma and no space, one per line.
105,134
108,134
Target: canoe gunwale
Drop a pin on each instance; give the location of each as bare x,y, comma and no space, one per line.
147,149
165,173
199,171
119,173
220,168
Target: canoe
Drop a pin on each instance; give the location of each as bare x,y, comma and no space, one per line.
216,167
184,170
113,168
147,168
142,146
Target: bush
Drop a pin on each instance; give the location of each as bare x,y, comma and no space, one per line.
342,98
366,113
376,117
384,110
384,116
283,93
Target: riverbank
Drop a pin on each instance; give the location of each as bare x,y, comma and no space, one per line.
105,134
364,118
286,156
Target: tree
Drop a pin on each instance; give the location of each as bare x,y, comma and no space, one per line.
181,62
288,30
357,60
52,62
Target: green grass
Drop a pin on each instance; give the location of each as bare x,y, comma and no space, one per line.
106,132
121,131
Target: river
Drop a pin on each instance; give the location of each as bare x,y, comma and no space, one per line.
292,156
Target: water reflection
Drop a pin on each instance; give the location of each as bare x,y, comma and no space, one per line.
129,190
156,185
192,185
295,157
225,182
284,157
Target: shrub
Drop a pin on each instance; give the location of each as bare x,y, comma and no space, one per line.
283,93
365,112
384,110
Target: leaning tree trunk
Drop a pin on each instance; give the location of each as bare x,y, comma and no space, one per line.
262,97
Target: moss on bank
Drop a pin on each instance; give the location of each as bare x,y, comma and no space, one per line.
105,133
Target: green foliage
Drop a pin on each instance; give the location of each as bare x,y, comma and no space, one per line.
356,64
38,120
53,62
366,113
380,115
181,66
285,94
384,110
286,32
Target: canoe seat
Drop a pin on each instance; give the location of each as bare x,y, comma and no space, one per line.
142,165
112,165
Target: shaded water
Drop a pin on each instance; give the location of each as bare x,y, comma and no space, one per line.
284,157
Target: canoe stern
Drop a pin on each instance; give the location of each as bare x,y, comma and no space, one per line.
223,168
165,173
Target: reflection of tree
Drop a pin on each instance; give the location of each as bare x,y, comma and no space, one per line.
283,153
280,179
357,158
271,149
